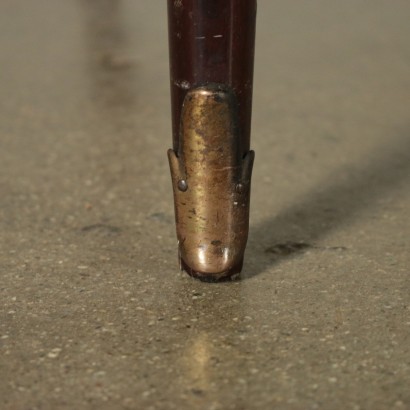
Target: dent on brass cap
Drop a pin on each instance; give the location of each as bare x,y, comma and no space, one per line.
211,184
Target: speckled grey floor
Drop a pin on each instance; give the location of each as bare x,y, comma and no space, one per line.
94,313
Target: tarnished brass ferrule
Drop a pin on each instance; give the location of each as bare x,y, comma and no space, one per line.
211,183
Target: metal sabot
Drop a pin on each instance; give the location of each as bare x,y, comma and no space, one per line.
211,183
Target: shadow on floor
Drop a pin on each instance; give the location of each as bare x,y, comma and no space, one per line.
339,200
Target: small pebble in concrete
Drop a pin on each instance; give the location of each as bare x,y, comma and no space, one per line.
54,353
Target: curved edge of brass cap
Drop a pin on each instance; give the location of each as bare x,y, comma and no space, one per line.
214,277
211,184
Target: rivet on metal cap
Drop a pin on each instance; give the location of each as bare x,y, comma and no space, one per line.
182,185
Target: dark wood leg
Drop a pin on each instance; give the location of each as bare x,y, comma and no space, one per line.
211,46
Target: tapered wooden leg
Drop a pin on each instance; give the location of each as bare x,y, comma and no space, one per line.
211,65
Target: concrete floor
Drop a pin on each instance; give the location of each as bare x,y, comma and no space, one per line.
94,313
